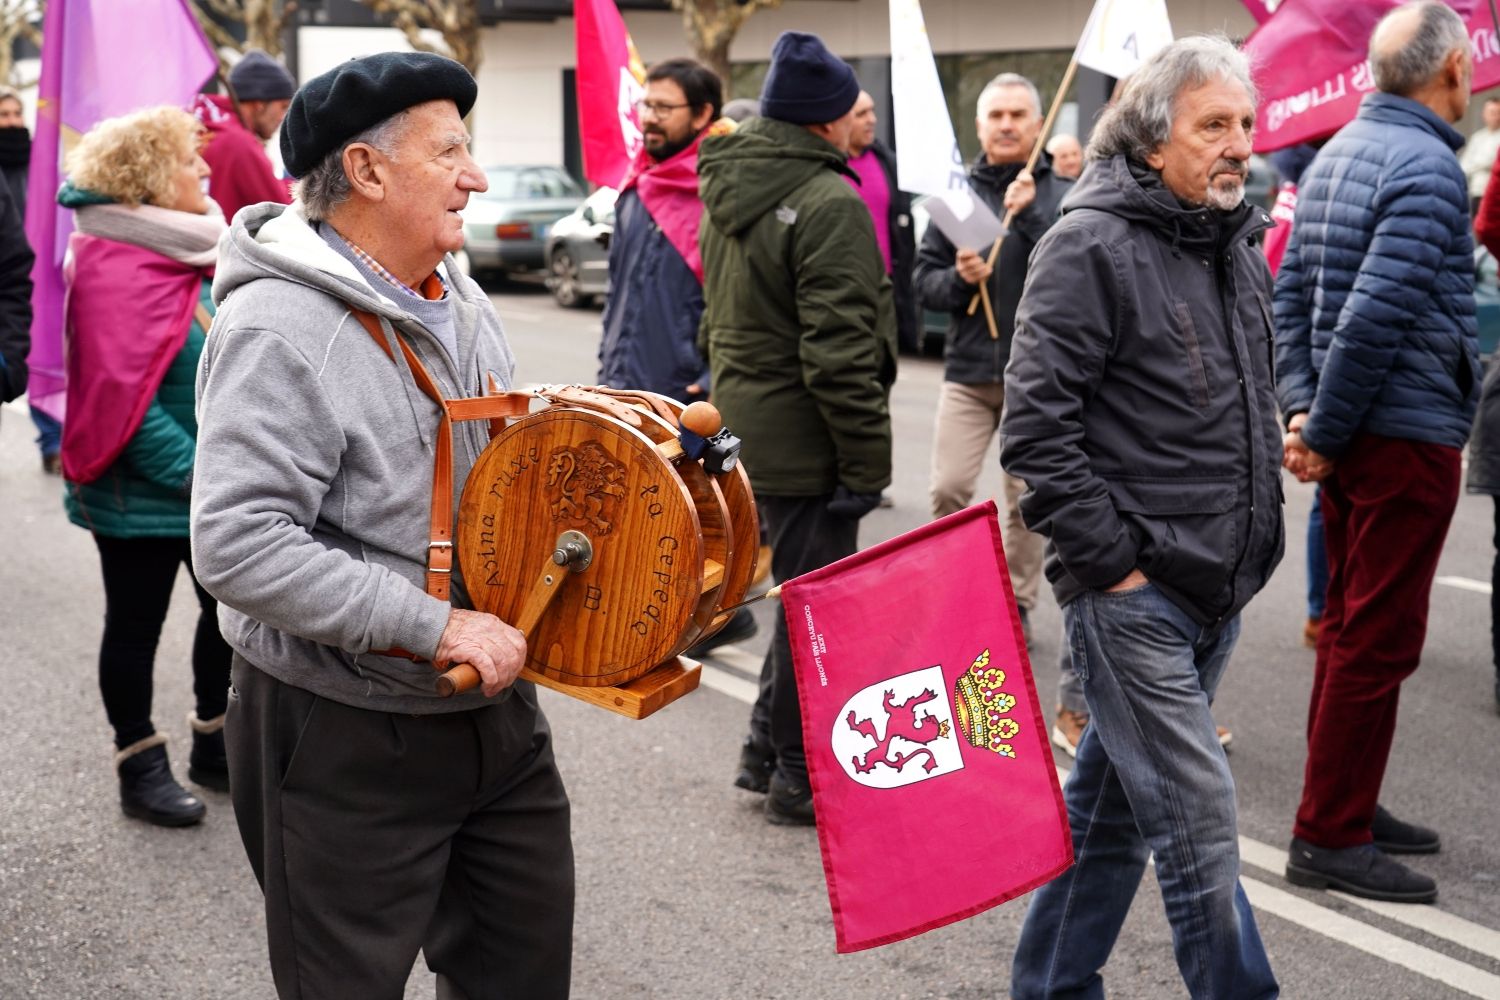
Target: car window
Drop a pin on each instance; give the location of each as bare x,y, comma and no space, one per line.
513,183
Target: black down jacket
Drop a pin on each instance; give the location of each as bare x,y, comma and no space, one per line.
1140,408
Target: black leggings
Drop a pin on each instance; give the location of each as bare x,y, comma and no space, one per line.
138,578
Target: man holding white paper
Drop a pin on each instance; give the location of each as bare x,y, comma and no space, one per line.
946,277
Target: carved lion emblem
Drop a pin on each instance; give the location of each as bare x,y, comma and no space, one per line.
583,486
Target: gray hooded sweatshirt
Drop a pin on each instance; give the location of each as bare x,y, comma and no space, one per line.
312,486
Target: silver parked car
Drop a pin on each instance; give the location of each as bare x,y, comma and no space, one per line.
506,227
578,251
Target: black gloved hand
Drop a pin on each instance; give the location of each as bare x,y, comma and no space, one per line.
847,503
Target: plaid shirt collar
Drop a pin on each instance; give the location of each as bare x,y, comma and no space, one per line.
375,266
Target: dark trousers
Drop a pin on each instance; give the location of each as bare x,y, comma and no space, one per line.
138,577
376,834
1386,510
804,536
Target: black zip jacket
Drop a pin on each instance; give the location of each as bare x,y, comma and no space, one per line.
1140,406
971,356
15,299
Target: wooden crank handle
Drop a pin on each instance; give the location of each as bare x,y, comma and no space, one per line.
567,556
455,679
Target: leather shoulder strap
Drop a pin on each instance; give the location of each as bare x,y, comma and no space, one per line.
440,517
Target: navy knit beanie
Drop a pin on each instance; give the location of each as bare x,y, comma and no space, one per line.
355,95
258,77
807,84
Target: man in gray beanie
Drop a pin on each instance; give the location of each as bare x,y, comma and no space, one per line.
380,818
238,125
799,331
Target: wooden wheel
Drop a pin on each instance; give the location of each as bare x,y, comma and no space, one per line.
568,469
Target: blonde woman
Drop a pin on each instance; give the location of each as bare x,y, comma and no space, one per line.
141,263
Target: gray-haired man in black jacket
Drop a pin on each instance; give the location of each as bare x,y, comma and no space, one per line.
1141,414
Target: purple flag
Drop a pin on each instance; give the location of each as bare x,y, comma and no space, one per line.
91,70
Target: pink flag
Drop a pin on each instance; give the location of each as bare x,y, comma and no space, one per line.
91,70
932,775
611,78
1310,64
1262,10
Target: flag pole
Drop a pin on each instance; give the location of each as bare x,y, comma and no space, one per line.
1036,152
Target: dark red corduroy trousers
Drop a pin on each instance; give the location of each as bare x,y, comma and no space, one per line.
1386,510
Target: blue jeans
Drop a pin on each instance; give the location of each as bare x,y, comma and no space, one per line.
49,432
1150,778
1317,559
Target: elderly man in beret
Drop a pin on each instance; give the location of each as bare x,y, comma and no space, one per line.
379,818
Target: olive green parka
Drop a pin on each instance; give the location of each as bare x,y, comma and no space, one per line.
799,328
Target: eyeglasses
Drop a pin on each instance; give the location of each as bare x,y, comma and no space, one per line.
657,110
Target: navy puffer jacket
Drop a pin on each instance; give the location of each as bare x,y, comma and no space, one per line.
1374,302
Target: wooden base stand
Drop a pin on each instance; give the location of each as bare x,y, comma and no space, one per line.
635,699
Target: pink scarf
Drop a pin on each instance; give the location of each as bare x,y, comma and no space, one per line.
669,190
128,314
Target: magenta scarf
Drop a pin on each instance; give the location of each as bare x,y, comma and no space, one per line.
669,190
129,310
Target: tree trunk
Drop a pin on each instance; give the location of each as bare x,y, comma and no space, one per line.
710,27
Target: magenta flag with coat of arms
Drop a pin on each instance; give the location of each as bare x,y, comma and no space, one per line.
610,79
932,774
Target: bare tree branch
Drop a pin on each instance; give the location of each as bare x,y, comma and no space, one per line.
455,21
265,22
711,26
18,19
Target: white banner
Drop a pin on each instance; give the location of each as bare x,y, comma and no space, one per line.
1123,34
927,157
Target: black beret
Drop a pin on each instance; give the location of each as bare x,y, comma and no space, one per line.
333,108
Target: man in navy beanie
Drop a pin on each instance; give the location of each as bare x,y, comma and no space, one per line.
799,331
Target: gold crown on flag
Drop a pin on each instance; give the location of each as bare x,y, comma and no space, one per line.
982,707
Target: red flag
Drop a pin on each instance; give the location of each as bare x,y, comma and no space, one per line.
1311,69
611,78
932,775
1284,212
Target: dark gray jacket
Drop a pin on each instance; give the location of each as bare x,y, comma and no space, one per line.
1140,408
970,355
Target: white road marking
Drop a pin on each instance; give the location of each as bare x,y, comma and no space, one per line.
1382,944
1464,583
727,683
1428,919
742,660
1274,900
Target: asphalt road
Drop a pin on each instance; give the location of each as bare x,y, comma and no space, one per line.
684,890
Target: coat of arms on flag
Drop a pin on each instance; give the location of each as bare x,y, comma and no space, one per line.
921,720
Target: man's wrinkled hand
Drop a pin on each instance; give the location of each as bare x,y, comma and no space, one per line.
971,267
1300,460
1020,193
487,644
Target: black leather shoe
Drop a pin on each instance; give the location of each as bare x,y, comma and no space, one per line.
1395,837
207,764
1360,871
741,626
756,764
147,789
789,803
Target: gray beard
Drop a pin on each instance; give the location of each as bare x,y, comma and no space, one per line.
1225,200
